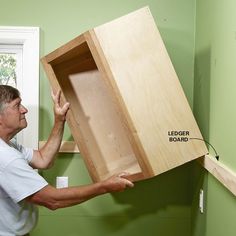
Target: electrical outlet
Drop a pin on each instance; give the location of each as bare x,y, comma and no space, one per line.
62,182
201,201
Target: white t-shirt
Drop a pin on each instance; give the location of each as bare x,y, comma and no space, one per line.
18,180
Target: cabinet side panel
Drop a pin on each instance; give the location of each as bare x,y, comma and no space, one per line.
148,85
127,125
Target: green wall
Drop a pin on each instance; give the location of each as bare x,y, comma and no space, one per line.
214,102
160,206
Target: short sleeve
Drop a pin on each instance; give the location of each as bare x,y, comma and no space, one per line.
27,152
19,180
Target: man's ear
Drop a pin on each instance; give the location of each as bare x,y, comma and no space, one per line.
0,118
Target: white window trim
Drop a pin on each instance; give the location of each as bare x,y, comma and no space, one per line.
28,37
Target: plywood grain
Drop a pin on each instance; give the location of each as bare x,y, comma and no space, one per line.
144,78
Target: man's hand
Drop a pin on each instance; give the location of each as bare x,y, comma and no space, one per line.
59,111
45,156
117,183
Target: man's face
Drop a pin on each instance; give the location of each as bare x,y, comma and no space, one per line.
12,117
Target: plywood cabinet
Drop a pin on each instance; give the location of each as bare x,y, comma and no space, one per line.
128,111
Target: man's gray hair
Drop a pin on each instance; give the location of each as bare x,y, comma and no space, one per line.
7,94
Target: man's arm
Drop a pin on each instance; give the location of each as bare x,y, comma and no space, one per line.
53,198
44,157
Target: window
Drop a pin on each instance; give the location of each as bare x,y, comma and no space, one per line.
10,64
19,67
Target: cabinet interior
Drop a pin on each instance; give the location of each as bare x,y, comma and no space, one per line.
100,128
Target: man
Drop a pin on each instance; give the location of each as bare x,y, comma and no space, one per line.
21,188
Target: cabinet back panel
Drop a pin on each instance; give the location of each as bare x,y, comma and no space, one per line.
97,117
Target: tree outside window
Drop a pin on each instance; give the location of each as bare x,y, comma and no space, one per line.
8,69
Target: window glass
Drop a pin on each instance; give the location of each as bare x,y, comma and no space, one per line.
8,69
